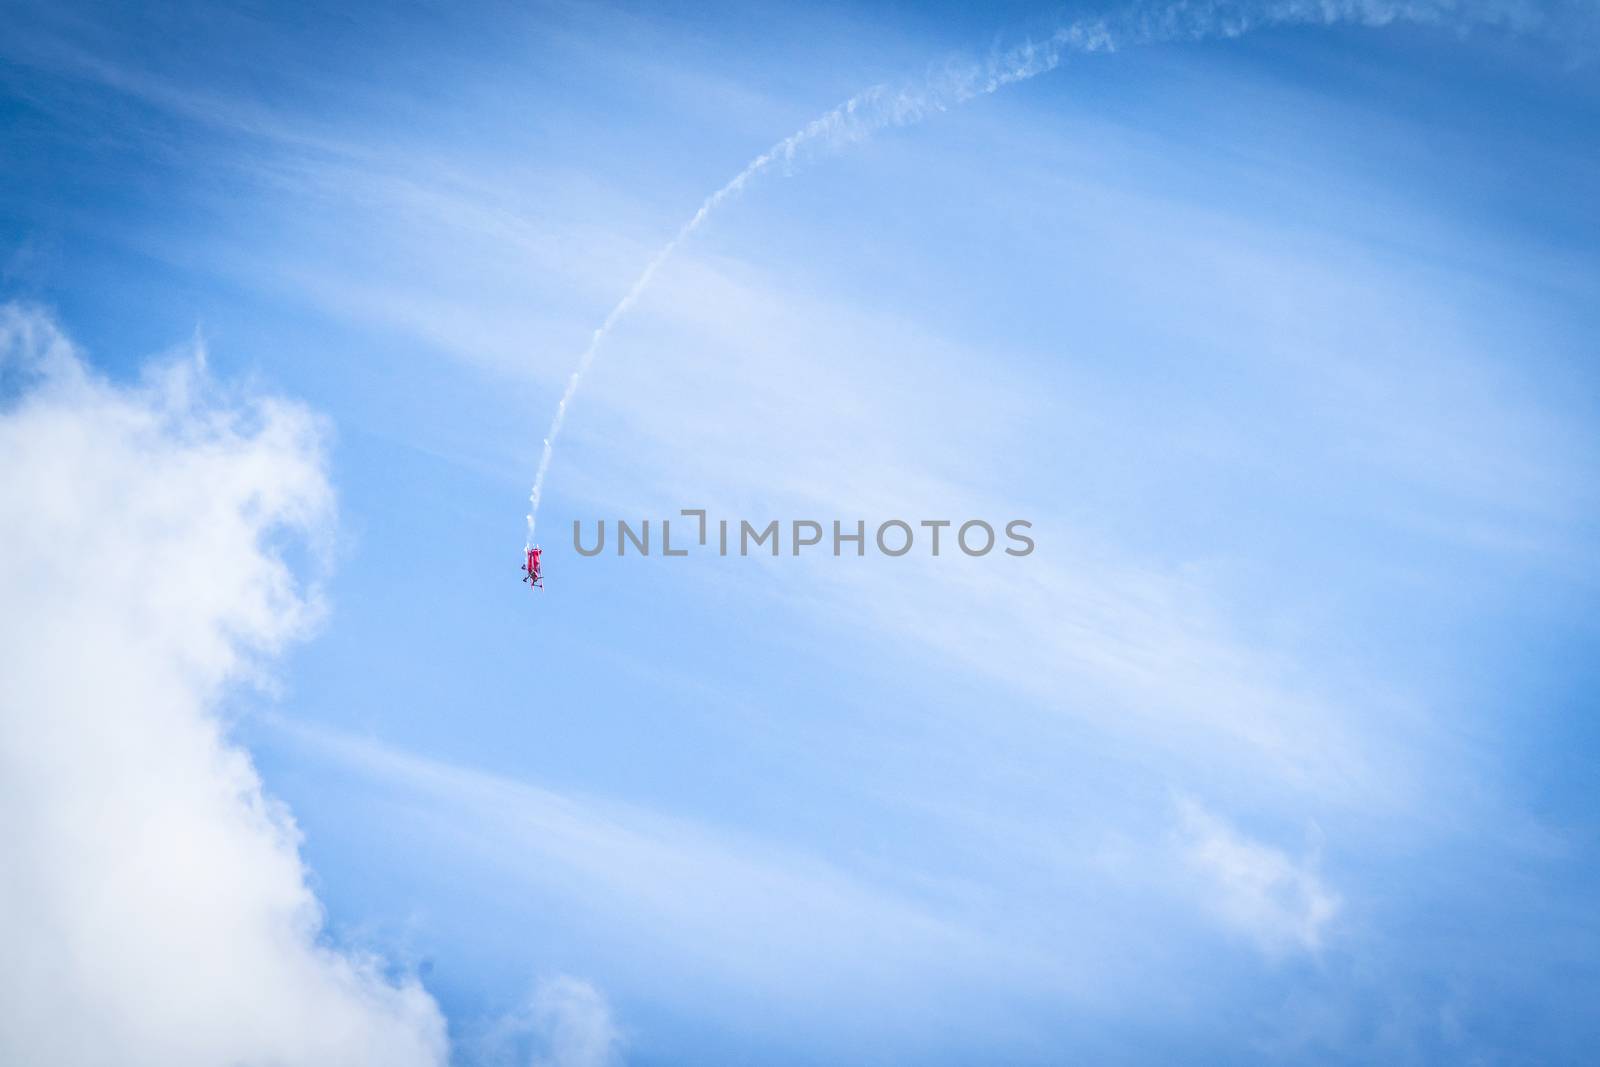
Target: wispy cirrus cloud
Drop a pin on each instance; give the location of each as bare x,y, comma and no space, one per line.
732,905
1277,900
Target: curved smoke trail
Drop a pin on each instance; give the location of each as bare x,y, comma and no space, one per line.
881,108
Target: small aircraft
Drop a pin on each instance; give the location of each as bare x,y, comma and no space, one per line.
531,572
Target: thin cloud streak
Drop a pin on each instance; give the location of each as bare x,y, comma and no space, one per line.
741,907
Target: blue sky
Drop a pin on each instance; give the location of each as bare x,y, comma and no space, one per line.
1279,747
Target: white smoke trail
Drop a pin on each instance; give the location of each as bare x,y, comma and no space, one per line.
881,108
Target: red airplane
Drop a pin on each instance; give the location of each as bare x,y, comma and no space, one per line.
531,572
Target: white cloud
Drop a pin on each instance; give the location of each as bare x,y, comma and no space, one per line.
152,900
1280,902
565,1022
573,1025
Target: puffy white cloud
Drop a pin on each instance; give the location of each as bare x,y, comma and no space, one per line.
153,903
574,1023
1280,902
566,1022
